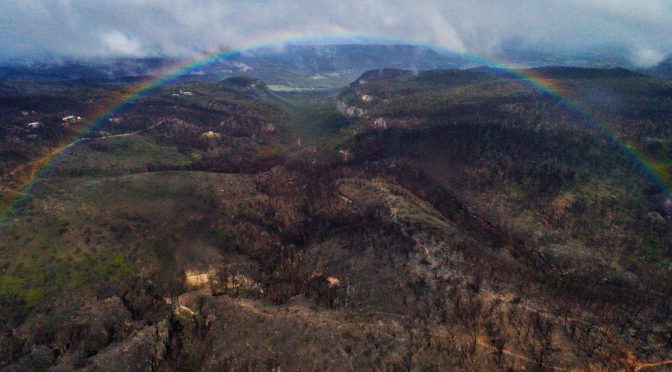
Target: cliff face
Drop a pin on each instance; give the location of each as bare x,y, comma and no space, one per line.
349,110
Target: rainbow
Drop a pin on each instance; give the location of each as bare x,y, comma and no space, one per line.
528,78
648,167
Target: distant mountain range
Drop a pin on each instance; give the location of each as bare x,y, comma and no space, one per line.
305,66
334,58
84,70
312,65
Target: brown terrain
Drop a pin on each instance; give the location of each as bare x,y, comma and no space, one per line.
442,220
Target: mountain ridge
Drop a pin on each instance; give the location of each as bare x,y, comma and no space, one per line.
664,68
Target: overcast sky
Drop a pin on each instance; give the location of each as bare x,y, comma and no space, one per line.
98,28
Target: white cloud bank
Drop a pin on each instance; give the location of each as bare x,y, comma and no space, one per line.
85,28
117,43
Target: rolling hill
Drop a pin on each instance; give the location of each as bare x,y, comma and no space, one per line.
443,219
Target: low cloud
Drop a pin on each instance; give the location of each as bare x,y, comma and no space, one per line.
82,28
117,43
647,57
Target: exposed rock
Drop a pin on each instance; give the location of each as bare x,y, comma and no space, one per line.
268,128
333,282
190,299
238,283
211,135
91,326
349,110
655,218
380,123
346,155
144,350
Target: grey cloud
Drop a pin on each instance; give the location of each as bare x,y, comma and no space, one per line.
85,28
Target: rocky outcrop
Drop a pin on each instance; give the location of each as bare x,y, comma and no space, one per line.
144,350
248,85
348,110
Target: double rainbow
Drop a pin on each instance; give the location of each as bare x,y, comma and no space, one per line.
528,78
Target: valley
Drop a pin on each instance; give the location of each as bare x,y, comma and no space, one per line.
443,219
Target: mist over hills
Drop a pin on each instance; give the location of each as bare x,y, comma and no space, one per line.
664,68
331,58
313,65
336,207
308,66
